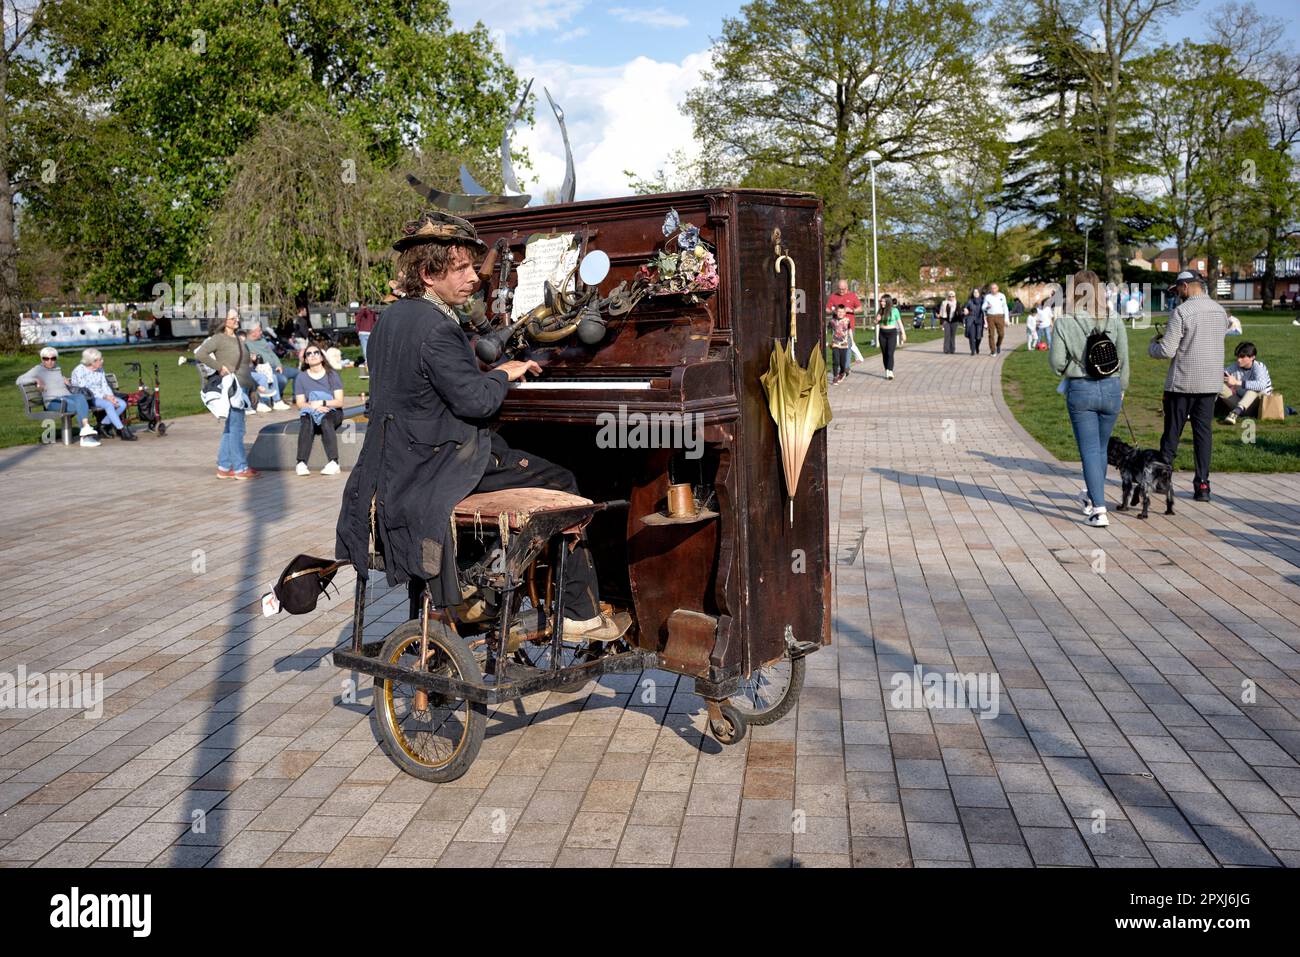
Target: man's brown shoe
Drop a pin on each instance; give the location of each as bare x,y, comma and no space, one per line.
244,474
225,473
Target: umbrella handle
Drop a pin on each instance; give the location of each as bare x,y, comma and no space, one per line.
780,259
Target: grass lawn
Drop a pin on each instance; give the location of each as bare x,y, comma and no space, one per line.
180,384
1029,386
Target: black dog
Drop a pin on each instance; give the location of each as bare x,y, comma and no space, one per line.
1142,471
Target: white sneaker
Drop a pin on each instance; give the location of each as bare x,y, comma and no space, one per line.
1098,518
331,468
180,360
302,469
281,406
889,373
88,430
1086,503
89,441
251,410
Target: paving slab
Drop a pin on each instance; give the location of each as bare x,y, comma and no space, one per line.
958,549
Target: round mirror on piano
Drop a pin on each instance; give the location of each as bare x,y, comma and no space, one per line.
594,268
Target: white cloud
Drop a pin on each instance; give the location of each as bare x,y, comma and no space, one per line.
619,118
656,17
574,34
505,18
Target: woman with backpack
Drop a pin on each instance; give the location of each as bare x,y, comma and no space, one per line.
1090,353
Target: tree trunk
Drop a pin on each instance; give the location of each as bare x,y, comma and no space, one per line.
835,255
1110,230
1109,225
1269,284
10,332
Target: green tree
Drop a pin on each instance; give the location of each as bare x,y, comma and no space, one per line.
19,83
308,213
169,90
801,91
1050,178
1259,45
1106,40
1197,111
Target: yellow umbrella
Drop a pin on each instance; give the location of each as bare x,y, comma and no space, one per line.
796,397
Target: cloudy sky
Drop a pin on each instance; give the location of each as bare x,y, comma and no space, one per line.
620,73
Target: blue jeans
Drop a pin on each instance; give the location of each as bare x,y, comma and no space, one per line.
1094,405
230,454
113,408
364,337
264,387
76,404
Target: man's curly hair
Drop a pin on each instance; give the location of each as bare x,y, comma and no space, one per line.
432,259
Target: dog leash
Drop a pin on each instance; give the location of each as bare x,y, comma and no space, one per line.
1131,434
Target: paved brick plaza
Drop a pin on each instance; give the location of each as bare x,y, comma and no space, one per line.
959,549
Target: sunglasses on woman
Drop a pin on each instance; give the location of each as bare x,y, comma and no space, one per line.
312,352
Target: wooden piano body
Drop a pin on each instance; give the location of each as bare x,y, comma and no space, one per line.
717,598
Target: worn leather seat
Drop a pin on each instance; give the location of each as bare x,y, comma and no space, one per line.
519,504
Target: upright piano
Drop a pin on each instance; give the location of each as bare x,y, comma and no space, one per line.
721,596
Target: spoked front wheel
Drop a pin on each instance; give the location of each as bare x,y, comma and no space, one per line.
769,693
431,736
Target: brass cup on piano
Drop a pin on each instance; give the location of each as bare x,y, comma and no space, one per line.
681,501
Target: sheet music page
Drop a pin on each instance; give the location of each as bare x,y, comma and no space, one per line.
547,257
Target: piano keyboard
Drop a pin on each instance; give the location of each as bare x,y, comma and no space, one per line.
611,385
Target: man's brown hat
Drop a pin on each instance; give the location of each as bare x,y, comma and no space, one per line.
435,226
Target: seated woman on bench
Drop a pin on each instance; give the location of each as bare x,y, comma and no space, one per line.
318,394
90,375
49,379
427,442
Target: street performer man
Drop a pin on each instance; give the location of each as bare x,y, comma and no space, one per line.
428,444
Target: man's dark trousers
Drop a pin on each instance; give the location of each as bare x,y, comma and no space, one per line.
1179,407
512,468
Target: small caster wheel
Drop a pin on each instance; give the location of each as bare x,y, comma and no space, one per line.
731,729
162,428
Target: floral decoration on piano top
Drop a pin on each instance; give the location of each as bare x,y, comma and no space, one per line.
686,266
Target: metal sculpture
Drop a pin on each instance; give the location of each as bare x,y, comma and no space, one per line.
476,199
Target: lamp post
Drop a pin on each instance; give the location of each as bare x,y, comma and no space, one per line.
872,157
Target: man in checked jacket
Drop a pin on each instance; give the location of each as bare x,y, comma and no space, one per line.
1194,341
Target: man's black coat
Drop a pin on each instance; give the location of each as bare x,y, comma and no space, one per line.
427,445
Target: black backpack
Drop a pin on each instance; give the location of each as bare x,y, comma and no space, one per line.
1100,356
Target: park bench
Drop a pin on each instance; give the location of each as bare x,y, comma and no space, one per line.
34,408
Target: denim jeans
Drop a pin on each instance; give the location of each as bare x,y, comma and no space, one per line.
230,454
1094,405
364,337
75,403
113,408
